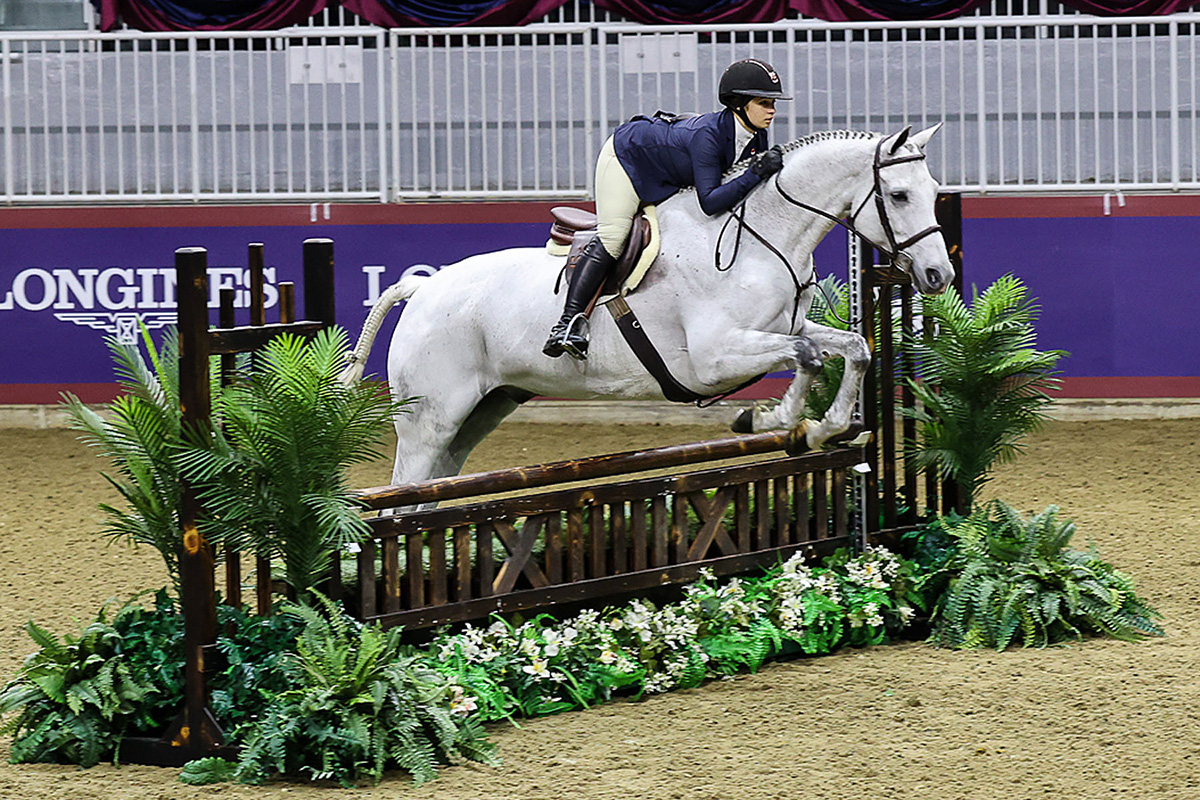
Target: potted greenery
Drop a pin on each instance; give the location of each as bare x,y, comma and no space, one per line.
272,478
141,433
1015,579
982,384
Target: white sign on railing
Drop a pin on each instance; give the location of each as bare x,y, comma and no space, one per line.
338,63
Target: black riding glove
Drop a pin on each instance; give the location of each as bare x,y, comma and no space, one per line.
768,163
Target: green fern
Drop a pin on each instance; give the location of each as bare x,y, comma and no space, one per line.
272,480
358,705
765,639
140,433
696,670
1015,581
74,698
204,771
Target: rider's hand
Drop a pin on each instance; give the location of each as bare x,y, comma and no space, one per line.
768,163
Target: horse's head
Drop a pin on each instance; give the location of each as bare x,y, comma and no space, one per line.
898,214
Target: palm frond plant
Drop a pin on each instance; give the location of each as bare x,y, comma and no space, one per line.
272,481
1014,579
982,384
141,433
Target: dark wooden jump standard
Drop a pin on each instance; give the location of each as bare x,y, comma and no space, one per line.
195,732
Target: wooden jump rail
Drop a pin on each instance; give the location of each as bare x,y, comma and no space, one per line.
507,480
601,541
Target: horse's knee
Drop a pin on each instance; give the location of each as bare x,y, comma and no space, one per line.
809,356
859,355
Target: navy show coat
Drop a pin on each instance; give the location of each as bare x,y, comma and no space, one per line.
663,157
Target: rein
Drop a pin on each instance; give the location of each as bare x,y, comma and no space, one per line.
742,224
894,251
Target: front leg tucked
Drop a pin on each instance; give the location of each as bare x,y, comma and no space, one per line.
816,345
788,413
852,348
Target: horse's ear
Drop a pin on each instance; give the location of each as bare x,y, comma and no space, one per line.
921,138
898,140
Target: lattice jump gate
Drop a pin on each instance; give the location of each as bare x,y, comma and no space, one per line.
597,542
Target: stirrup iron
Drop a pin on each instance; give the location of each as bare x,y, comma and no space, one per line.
570,347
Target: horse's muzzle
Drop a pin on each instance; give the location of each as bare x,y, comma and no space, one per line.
931,280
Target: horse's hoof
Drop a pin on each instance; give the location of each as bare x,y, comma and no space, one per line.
797,440
855,436
743,422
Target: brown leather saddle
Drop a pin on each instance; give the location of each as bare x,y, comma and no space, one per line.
575,227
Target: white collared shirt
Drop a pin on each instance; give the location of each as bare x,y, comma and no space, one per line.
741,138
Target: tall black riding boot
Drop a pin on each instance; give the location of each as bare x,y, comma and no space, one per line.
569,334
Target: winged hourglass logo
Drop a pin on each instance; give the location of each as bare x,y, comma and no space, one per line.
122,325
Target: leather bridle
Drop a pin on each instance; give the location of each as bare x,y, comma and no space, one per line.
894,250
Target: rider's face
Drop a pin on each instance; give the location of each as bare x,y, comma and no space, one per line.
760,111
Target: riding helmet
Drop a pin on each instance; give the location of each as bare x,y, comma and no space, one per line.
747,79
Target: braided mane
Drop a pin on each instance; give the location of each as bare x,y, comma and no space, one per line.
820,136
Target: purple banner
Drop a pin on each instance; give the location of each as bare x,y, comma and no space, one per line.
59,298
1117,292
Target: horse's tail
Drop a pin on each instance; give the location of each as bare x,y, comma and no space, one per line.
357,358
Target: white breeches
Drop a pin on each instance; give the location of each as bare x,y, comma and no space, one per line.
616,200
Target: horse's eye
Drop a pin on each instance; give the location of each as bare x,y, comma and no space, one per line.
900,196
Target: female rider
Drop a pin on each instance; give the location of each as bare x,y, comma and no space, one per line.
648,159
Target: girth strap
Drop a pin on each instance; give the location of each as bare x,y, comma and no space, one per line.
643,348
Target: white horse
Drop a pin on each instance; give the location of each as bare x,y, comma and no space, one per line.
469,343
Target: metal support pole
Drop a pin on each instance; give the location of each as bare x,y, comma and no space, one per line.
858,483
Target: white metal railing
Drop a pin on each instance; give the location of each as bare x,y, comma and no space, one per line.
156,116
1056,103
576,11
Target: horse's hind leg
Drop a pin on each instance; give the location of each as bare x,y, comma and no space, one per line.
424,437
431,443
483,419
